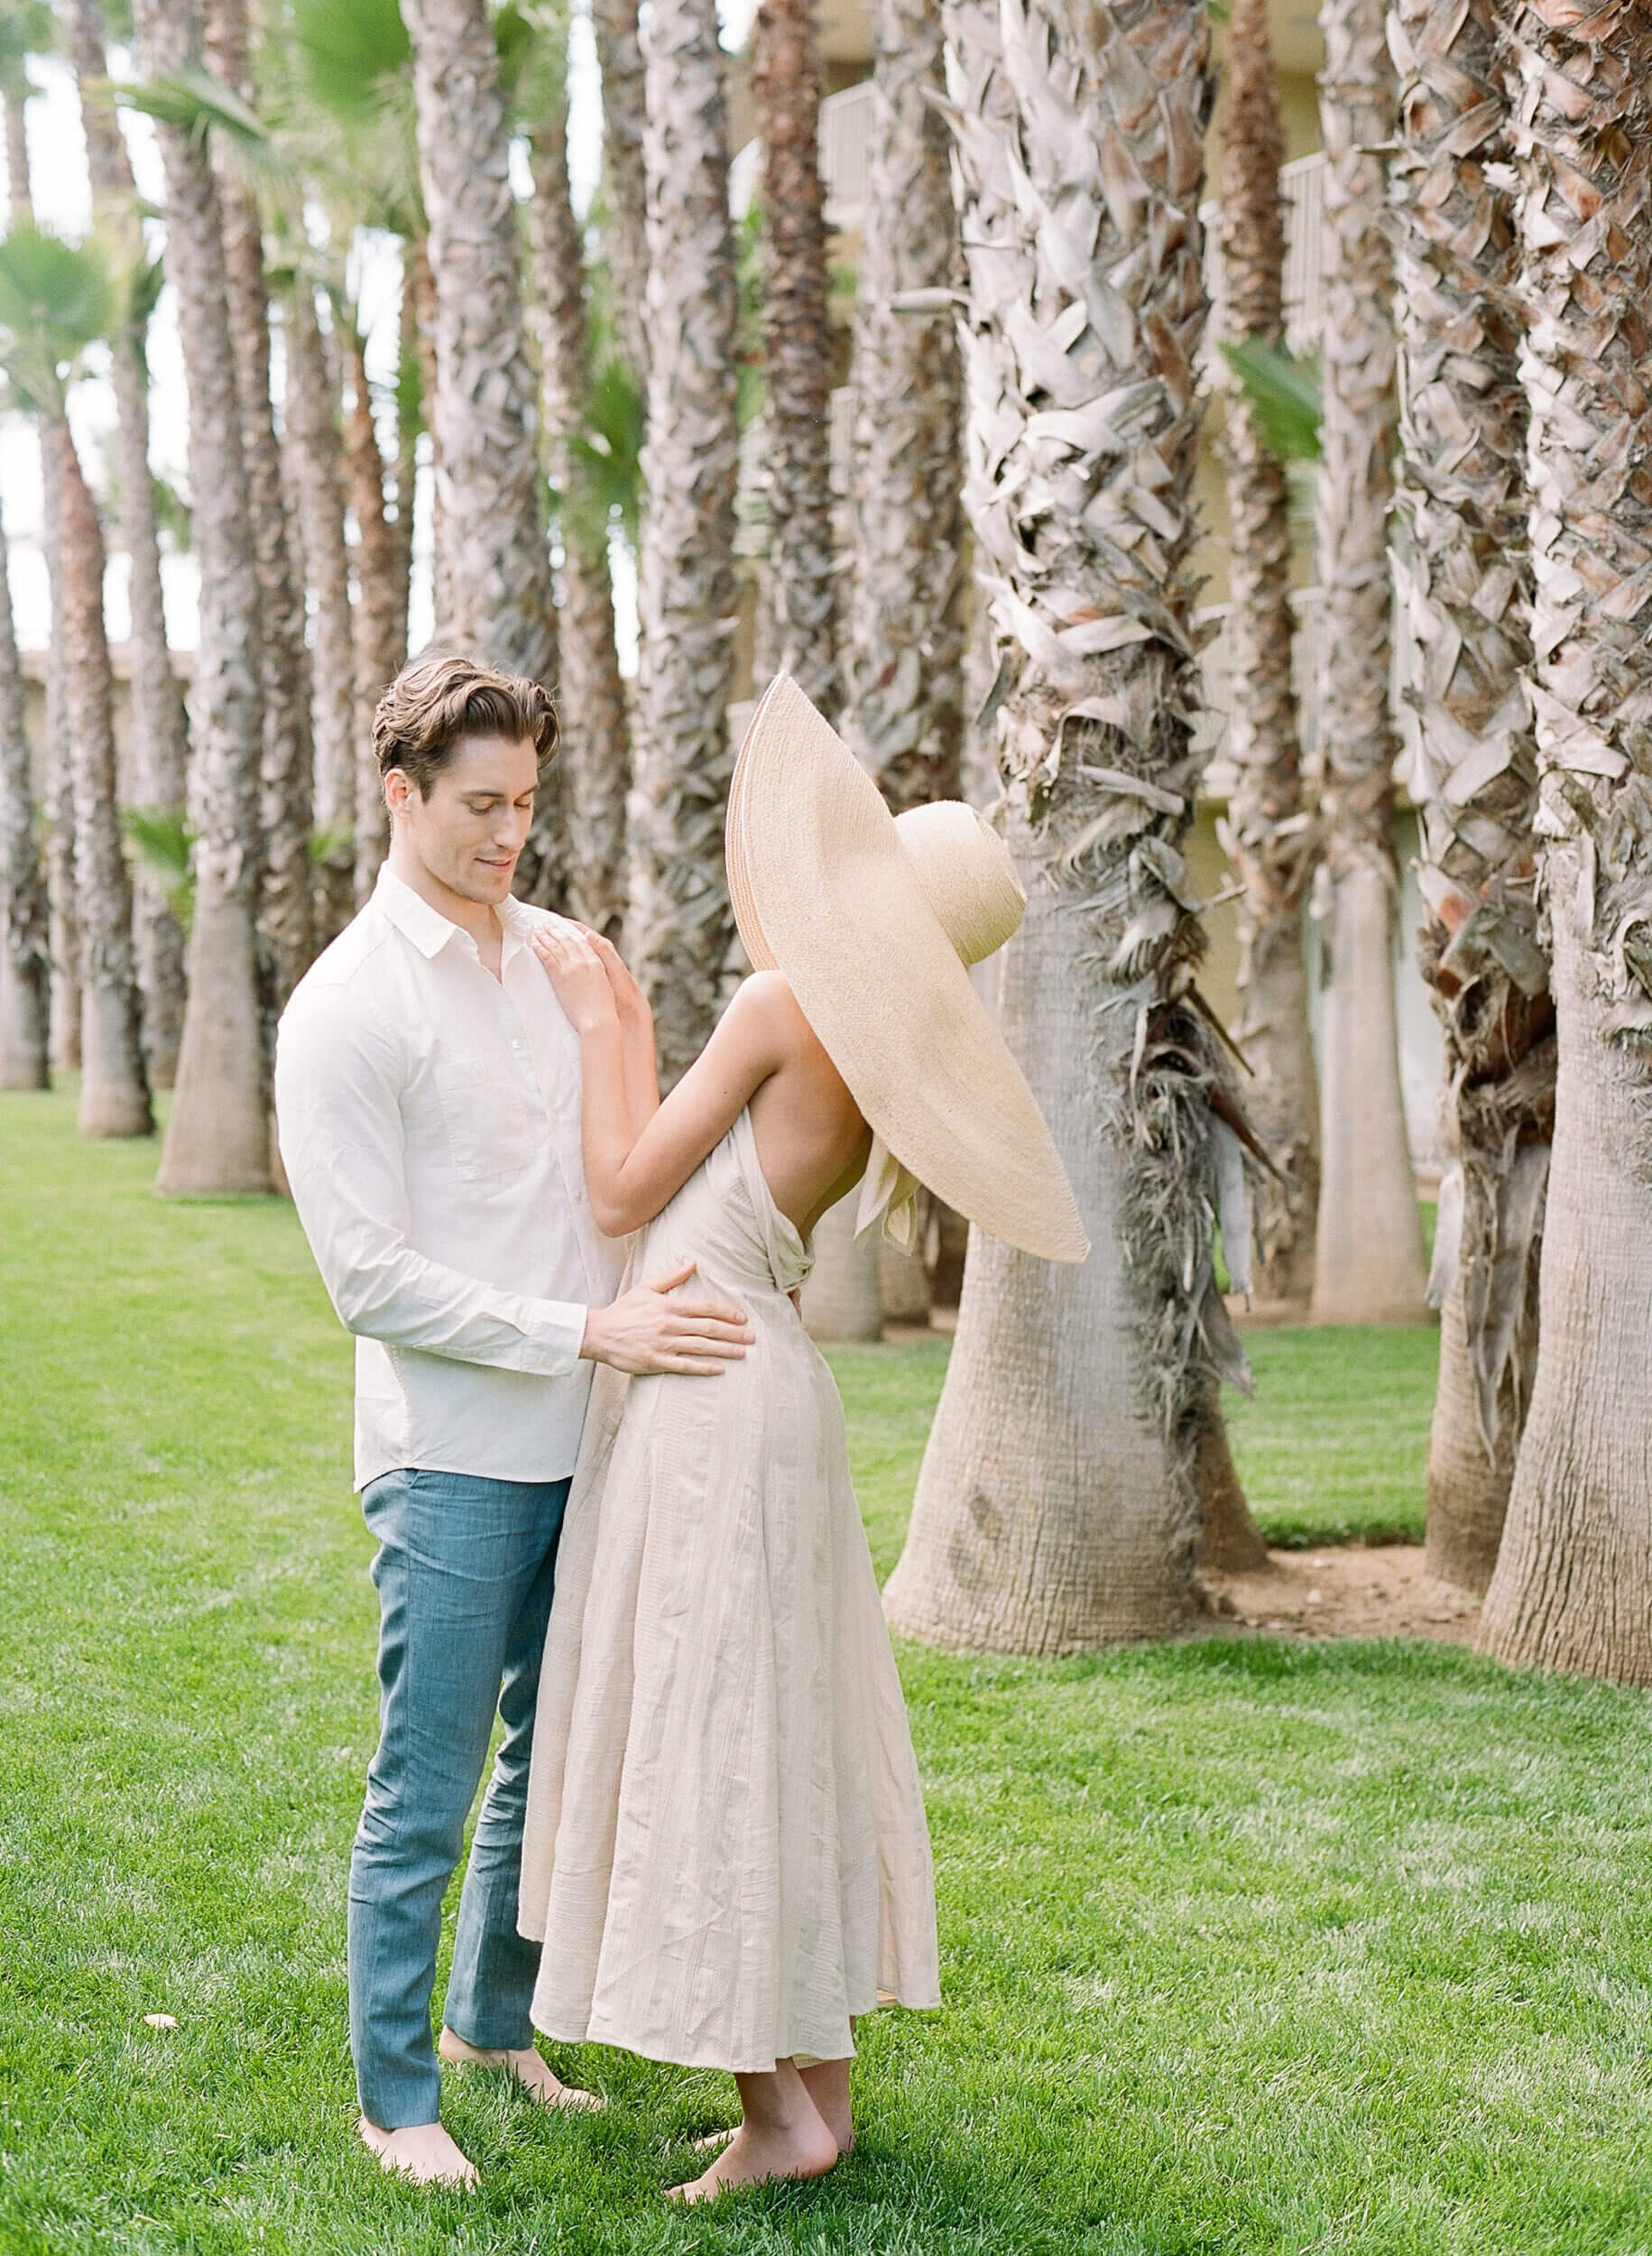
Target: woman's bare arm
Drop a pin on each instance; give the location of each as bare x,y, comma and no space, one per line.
633,1169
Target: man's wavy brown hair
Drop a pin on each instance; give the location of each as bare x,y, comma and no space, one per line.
439,700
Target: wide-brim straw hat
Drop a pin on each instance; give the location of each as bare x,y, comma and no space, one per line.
874,918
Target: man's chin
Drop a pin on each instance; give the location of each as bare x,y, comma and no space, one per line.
489,885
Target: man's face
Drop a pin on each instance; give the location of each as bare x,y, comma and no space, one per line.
473,826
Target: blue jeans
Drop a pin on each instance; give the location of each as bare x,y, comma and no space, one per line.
464,1572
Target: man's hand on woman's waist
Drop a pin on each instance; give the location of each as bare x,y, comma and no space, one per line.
644,1330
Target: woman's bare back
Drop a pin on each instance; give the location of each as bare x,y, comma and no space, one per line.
812,1142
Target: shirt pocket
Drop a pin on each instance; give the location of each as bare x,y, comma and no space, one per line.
485,1115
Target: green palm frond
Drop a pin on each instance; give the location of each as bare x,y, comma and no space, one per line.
56,299
1284,396
164,841
202,104
350,95
352,60
531,37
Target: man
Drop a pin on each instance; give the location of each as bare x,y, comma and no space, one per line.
428,1095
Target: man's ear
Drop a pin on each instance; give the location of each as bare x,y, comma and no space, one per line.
398,789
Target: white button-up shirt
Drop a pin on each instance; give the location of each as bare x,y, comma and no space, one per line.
428,1117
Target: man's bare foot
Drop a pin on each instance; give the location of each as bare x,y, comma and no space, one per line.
523,2063
827,2082
421,2152
781,2136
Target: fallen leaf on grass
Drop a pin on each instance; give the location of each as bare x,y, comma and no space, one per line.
159,2020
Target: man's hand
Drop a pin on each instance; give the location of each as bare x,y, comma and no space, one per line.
644,1331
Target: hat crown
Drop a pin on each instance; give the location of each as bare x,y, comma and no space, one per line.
965,873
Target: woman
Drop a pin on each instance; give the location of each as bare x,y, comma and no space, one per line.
725,1843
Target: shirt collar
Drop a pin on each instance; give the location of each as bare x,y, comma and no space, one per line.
430,931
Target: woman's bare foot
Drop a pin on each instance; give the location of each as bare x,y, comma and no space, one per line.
782,2135
827,2082
421,2152
522,2063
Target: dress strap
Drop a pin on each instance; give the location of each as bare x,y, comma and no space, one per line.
789,1258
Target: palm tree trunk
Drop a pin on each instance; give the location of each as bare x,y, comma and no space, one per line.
315,450
1369,1256
159,736
412,348
1571,1589
217,1140
499,605
286,896
596,731
904,716
1467,587
25,1000
797,615
904,655
379,620
22,200
63,924
619,54
1267,834
419,329
495,588
681,929
114,1091
1060,1502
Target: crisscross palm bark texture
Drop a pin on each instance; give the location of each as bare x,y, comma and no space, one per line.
797,612
595,729
25,964
160,738
1059,1505
218,1137
904,649
1572,1588
1368,1249
1464,583
493,591
680,927
1268,831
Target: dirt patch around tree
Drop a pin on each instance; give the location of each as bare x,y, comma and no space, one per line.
1351,1591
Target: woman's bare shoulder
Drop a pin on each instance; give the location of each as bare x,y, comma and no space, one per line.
765,1001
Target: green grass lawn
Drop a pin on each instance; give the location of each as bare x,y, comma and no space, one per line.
1246,1947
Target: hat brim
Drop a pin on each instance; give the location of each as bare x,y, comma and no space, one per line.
823,891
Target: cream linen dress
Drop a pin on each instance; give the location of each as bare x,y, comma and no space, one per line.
725,1853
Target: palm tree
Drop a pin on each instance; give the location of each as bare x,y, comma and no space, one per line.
1467,588
160,737
596,733
1060,1502
26,30
1369,1256
798,615
904,715
625,234
482,411
1266,835
904,642
24,962
55,301
679,925
381,604
494,595
285,898
315,450
1571,1587
217,1137
351,68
